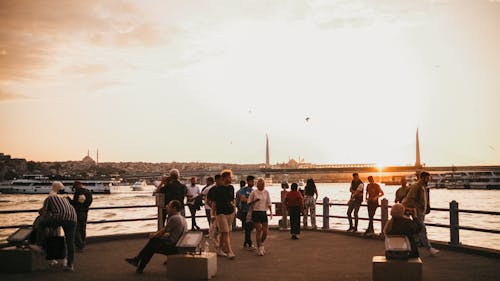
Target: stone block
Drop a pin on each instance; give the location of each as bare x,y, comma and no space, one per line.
192,267
396,270
15,260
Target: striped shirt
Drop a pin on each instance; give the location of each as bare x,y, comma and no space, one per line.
59,208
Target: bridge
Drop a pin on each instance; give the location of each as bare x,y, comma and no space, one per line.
320,169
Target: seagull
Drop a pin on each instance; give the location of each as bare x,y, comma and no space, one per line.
307,119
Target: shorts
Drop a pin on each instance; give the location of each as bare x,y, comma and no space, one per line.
225,222
259,216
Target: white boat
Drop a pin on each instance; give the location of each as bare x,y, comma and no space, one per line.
38,184
466,180
139,185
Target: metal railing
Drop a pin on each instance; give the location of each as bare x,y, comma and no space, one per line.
453,226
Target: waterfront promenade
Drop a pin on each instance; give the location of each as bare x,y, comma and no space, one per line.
317,255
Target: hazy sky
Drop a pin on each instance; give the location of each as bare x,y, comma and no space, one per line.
162,81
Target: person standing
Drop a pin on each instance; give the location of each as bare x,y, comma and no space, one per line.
204,193
355,201
82,199
173,189
295,205
224,209
193,191
402,191
261,202
311,195
163,241
417,201
57,211
373,193
242,198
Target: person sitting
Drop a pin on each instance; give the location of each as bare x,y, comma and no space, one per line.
164,240
402,223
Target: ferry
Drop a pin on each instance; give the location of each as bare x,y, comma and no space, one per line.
38,184
466,180
139,185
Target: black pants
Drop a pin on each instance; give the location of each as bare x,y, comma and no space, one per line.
192,211
294,213
354,206
372,208
207,213
81,230
155,245
248,229
69,228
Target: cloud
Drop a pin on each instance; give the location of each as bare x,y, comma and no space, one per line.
86,69
35,34
8,96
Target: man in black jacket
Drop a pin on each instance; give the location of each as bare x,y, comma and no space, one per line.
82,199
174,190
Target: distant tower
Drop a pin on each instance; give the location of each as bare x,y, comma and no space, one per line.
88,152
97,156
417,158
267,151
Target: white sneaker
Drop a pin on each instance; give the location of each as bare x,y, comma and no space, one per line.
221,253
259,251
433,251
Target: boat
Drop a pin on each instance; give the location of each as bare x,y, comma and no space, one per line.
39,184
139,185
466,180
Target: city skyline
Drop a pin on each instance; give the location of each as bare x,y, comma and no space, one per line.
329,81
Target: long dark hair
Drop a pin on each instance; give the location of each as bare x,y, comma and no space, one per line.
310,182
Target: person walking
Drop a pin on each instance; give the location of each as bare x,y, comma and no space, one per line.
355,201
193,191
294,202
311,195
82,199
224,209
373,193
242,198
417,201
163,241
261,202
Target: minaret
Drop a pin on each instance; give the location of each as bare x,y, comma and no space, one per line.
97,156
88,152
417,157
267,151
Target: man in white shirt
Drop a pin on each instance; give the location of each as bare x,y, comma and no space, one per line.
192,193
204,193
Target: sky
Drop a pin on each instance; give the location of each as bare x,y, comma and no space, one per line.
344,81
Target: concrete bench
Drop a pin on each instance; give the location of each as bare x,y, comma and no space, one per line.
190,267
396,270
15,260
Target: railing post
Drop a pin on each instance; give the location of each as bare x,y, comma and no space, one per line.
454,225
384,214
326,213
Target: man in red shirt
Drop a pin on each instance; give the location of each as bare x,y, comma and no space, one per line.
295,205
373,192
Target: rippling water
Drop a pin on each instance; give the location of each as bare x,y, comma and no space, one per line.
486,200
